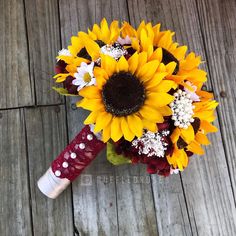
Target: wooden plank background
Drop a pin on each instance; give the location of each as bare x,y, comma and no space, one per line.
36,123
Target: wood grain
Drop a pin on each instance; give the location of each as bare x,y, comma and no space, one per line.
206,182
43,30
16,85
217,20
46,136
14,183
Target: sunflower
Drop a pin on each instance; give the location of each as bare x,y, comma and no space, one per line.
187,68
86,47
191,137
130,96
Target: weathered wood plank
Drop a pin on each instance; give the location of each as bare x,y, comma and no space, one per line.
46,136
14,186
103,207
217,20
171,210
135,203
16,85
206,182
42,19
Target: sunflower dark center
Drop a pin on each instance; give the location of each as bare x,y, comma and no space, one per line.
167,57
123,94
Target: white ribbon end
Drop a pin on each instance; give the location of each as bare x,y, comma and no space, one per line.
52,186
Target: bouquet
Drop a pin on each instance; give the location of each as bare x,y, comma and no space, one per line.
145,97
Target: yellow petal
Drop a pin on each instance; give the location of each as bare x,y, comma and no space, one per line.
128,135
90,92
92,47
122,65
142,59
116,132
170,67
207,126
151,126
106,133
151,114
90,104
133,63
202,139
175,135
165,86
195,147
103,119
147,71
135,125
108,63
105,30
91,118
157,78
159,99
165,111
157,55
187,134
180,52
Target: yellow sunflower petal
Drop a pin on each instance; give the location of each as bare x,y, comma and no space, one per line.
196,148
90,92
208,127
142,59
170,67
105,30
90,104
157,78
122,65
165,86
147,71
180,52
106,133
128,135
175,135
108,63
202,139
91,118
133,62
91,46
165,111
135,125
151,126
116,132
151,114
103,119
159,99
187,134
156,55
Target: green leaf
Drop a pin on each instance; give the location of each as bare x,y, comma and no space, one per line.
64,92
114,158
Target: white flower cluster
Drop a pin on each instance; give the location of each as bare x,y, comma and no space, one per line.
151,144
115,52
182,109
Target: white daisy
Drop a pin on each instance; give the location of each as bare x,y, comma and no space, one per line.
84,76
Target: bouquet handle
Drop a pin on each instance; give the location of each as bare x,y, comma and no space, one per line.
81,151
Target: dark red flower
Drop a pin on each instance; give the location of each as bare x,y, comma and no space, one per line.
71,88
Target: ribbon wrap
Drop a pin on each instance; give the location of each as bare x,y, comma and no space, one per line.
71,162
